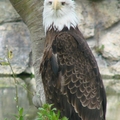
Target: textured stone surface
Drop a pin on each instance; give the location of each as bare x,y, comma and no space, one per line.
112,87
98,21
24,92
100,15
14,37
7,12
100,25
115,68
111,43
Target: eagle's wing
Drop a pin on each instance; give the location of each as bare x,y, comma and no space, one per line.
71,78
79,77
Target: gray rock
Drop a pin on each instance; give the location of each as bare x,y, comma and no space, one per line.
115,68
93,15
100,24
111,42
7,12
9,92
112,88
86,21
98,21
14,39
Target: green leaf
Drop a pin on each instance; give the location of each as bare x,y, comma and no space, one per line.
64,118
20,111
46,112
58,114
16,116
10,54
4,63
54,109
21,118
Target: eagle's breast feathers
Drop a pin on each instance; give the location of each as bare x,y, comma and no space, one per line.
71,76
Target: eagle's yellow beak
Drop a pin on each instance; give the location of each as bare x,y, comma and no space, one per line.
56,5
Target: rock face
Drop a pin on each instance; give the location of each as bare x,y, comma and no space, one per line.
8,100
14,40
112,87
99,23
7,12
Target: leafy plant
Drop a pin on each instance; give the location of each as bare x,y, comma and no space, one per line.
46,112
100,49
20,115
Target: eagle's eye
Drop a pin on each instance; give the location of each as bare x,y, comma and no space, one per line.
50,2
63,3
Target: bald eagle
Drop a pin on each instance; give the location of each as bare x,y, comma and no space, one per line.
70,75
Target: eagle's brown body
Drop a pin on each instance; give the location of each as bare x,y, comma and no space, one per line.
71,77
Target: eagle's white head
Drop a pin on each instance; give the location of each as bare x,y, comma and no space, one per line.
59,14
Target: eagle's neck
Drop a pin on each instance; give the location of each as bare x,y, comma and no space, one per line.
58,22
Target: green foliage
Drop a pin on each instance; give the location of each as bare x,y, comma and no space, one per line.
46,112
20,115
100,49
3,62
9,56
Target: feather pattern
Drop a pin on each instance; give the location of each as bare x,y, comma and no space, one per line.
71,77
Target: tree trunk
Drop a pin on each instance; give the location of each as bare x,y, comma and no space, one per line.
31,13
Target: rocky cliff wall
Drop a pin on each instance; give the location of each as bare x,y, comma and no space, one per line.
15,44
99,23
